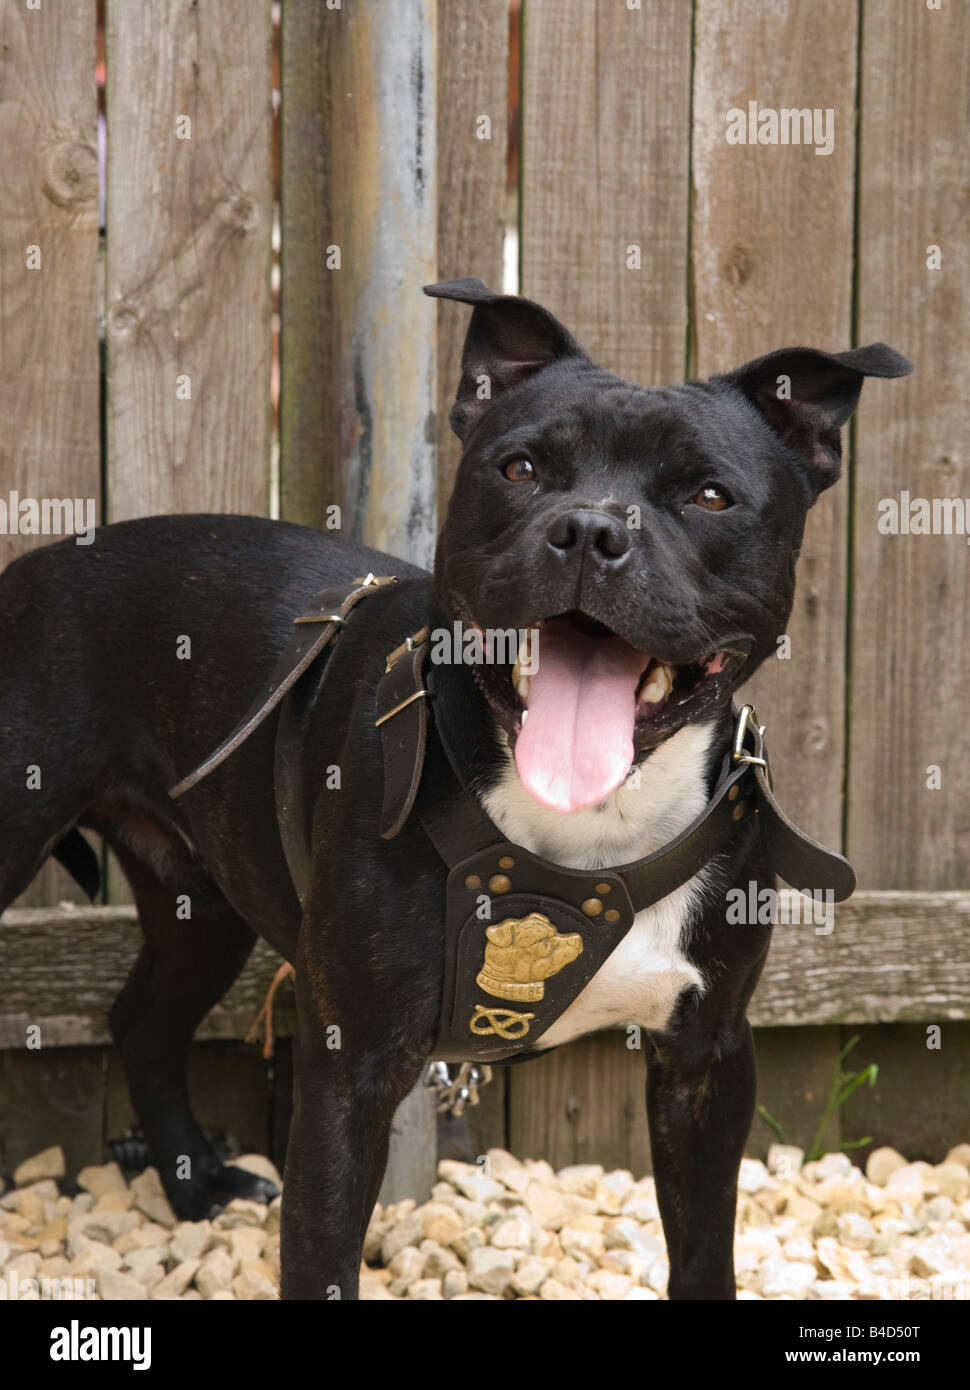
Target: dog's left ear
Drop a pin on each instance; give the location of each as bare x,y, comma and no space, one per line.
807,396
509,339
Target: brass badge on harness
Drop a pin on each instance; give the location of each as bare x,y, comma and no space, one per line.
505,1023
521,953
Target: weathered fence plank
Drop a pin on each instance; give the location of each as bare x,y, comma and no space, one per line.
472,85
49,286
910,636
605,118
61,969
188,266
921,1099
359,158
771,248
582,1104
48,201
889,956
370,149
310,461
56,1096
604,180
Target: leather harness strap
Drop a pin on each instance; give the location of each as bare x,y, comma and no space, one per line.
742,789
402,717
557,926
316,627
524,930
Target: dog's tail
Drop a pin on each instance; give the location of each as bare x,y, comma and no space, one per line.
80,861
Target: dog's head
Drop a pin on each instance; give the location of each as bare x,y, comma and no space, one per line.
649,535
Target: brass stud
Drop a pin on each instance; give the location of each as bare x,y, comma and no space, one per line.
604,888
472,882
592,907
506,862
734,793
612,915
500,883
738,811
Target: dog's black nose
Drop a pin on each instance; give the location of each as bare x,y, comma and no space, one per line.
589,530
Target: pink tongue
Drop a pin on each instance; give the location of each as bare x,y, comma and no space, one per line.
577,743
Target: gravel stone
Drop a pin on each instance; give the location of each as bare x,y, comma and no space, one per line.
100,1180
214,1274
252,1285
516,1230
116,1284
454,1284
440,1223
177,1281
406,1267
490,1270
49,1163
150,1198
191,1239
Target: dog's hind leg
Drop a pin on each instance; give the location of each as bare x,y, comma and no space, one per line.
42,793
25,848
185,967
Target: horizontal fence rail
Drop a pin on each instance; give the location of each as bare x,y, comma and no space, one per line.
879,958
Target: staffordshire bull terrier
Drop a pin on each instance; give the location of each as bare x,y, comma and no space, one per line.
642,545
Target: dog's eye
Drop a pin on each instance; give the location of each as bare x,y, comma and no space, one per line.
519,470
711,498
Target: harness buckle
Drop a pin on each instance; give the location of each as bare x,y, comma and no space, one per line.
747,718
397,708
374,580
408,645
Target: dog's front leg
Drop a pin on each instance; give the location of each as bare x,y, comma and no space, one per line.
344,1099
700,1103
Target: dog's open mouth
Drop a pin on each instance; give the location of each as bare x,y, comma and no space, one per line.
581,702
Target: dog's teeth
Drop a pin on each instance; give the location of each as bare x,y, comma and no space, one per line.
525,715
659,686
521,659
522,686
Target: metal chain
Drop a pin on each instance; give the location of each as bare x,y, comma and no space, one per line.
451,1096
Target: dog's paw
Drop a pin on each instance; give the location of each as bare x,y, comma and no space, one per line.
212,1187
229,1182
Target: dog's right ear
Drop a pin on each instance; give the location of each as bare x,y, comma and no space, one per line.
509,339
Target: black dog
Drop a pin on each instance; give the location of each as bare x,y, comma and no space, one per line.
650,537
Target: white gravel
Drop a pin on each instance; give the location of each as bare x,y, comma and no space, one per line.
508,1229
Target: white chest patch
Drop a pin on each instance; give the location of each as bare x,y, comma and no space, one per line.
643,978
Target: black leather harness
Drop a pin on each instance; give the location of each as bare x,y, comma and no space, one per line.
524,936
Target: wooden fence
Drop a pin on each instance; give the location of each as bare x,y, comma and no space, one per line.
136,362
